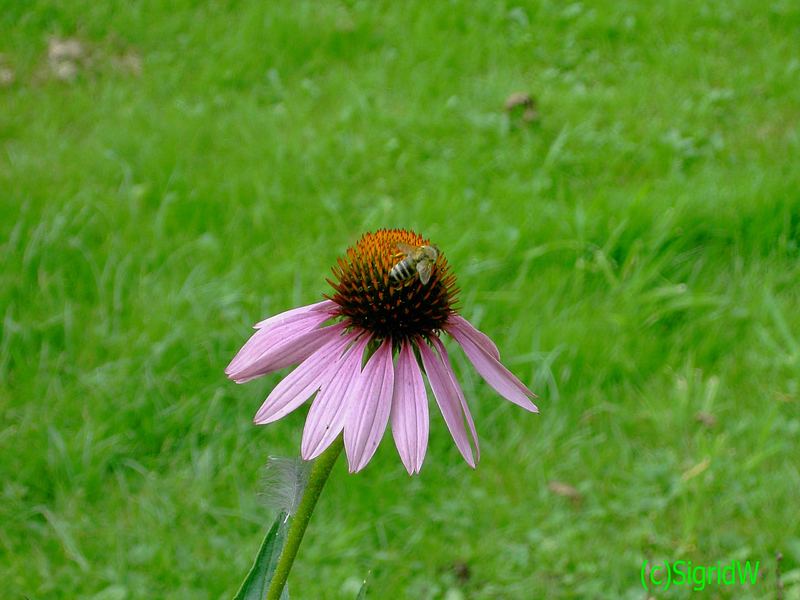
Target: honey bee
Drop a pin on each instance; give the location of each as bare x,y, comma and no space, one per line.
415,258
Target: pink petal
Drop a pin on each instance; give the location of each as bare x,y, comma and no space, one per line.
496,375
326,306
446,394
370,405
300,384
267,338
328,411
410,411
477,336
462,401
293,349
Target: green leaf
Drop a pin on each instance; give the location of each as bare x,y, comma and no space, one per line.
257,581
362,593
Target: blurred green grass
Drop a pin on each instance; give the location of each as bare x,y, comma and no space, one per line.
634,254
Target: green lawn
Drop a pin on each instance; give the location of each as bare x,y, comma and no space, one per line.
635,254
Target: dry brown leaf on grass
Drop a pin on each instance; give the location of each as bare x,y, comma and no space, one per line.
706,418
523,104
129,62
565,490
66,57
7,75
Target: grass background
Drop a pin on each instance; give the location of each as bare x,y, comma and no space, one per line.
634,253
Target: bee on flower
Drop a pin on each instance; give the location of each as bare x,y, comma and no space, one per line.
393,297
419,259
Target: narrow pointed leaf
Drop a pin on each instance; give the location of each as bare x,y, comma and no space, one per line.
258,579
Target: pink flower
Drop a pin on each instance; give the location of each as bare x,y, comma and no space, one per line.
397,325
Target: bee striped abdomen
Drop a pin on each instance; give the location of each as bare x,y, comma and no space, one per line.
402,271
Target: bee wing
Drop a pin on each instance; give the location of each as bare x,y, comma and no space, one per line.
424,268
431,252
405,248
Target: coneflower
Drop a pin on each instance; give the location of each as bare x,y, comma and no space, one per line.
397,326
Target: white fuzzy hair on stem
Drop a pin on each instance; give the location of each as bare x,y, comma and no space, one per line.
283,482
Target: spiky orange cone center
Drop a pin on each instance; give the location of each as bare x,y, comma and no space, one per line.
371,300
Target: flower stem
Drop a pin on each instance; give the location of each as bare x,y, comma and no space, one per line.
316,480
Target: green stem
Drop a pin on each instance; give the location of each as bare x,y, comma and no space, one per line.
316,480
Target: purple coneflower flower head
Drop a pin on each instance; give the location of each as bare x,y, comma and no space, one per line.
387,317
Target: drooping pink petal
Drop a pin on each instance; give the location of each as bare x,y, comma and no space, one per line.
267,338
328,411
409,411
300,384
446,395
461,400
476,335
495,374
326,306
286,352
369,408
